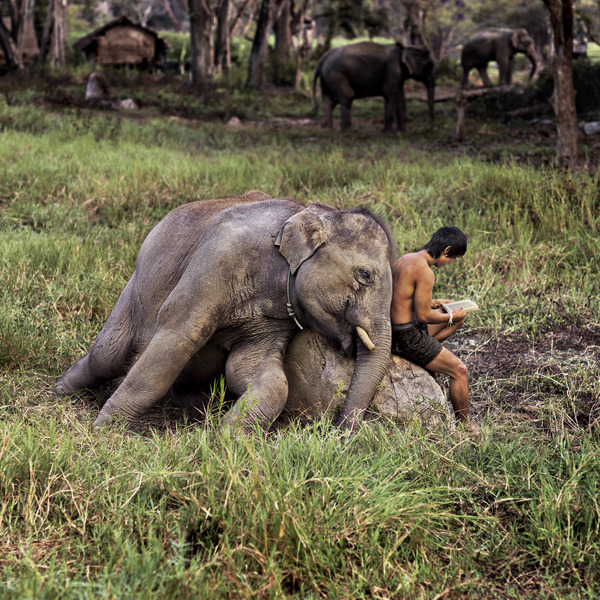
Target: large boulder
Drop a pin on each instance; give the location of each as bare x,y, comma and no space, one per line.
319,376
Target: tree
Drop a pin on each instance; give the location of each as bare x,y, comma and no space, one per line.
202,20
561,15
268,14
352,18
283,39
223,37
11,39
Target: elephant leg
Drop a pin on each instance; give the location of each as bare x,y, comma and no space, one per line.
108,356
401,111
465,79
259,380
346,107
507,71
484,76
394,110
328,105
150,377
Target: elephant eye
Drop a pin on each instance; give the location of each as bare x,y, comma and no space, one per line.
364,276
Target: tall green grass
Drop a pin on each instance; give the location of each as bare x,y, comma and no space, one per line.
188,511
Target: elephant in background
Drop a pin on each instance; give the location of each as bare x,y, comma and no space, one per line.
368,69
500,45
222,287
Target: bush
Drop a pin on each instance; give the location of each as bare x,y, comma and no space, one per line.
448,68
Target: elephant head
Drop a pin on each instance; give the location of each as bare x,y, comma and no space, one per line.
344,291
521,41
418,64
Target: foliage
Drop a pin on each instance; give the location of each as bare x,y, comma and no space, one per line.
179,46
189,511
586,80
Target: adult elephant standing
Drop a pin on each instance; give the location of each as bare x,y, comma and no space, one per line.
500,45
368,69
222,287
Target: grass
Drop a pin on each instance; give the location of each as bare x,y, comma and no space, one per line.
187,511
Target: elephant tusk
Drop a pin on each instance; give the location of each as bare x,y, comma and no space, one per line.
364,338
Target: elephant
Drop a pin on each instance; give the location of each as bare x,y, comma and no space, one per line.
500,45
368,69
222,286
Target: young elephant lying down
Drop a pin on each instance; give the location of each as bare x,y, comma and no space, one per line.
223,286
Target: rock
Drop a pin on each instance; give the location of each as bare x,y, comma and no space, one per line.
128,104
319,375
590,127
234,122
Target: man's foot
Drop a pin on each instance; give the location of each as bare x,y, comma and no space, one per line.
471,428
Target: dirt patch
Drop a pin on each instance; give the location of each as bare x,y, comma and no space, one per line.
517,378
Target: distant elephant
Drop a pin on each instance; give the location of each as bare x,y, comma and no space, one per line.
500,45
222,287
369,69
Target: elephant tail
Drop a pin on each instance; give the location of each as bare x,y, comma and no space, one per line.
314,90
318,73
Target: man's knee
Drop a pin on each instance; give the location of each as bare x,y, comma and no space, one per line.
460,369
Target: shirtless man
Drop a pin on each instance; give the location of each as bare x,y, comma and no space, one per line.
419,324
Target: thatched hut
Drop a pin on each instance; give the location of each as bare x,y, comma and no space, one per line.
123,42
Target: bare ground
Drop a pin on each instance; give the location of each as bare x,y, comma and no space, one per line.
523,380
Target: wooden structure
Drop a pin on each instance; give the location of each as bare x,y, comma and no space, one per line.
123,42
464,94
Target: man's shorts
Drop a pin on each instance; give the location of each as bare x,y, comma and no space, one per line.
413,342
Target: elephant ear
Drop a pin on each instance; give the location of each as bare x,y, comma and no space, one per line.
409,61
516,39
303,233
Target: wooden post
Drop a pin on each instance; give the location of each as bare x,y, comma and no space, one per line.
461,106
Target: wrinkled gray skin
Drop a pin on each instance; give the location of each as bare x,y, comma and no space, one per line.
208,296
498,45
368,69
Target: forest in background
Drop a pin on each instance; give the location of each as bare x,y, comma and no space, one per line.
440,25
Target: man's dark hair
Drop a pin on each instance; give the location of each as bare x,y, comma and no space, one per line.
444,237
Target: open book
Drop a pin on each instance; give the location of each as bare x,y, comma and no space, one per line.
467,305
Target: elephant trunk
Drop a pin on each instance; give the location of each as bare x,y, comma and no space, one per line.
534,63
371,365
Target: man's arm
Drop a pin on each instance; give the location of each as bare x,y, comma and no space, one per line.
423,299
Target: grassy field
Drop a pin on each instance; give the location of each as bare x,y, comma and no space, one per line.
187,511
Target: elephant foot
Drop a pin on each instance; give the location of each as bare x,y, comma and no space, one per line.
61,389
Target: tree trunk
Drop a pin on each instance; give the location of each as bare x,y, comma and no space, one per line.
283,40
560,13
12,40
260,45
413,23
300,43
202,17
8,47
222,53
59,43
238,17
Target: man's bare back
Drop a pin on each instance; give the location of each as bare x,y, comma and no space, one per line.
413,281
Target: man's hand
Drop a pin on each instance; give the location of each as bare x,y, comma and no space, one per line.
438,303
459,314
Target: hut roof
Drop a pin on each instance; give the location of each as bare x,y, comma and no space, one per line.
122,41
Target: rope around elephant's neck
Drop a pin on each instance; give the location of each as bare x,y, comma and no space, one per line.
290,308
